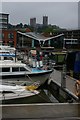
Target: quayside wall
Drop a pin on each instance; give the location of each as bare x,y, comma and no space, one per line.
40,111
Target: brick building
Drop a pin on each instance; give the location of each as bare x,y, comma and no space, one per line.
8,37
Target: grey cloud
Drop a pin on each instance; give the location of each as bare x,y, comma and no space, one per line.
63,14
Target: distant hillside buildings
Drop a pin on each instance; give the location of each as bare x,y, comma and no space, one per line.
45,20
17,37
33,22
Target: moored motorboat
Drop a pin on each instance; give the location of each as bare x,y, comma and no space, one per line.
17,72
17,94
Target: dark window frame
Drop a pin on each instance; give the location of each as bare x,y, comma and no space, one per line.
7,69
15,69
22,69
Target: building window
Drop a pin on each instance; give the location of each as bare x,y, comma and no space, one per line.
11,43
3,42
1,35
10,35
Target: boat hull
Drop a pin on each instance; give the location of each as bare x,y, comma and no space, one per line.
37,98
23,78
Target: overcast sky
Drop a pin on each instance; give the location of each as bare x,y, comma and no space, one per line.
63,14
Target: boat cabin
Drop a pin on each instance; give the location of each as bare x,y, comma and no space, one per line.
7,53
8,67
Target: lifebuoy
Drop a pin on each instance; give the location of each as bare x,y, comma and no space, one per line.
77,85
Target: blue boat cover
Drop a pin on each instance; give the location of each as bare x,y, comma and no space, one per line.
36,70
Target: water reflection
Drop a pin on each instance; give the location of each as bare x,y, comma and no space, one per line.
50,96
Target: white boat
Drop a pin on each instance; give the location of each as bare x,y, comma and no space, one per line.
7,53
18,72
15,71
17,94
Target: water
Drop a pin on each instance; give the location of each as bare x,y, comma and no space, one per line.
50,96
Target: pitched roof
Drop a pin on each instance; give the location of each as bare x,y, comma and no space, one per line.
38,37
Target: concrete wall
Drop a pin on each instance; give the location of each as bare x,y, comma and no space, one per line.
35,111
